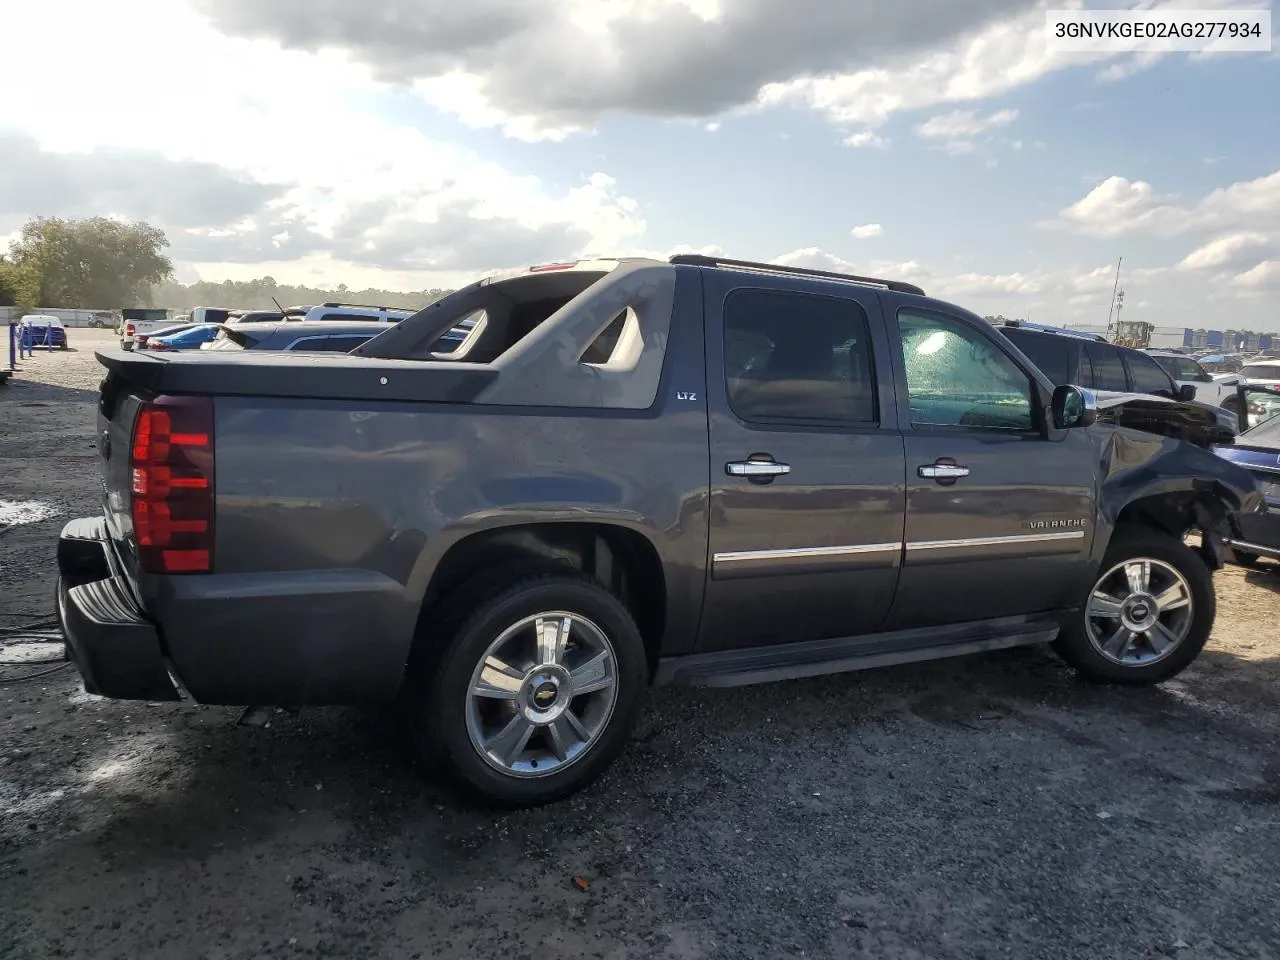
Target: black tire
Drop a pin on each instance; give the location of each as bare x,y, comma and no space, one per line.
436,695
1076,648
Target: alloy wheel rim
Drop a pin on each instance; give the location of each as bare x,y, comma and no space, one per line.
542,694
1139,612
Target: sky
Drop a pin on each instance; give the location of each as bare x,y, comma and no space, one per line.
415,144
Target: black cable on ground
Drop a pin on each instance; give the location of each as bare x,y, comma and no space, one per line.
4,681
29,629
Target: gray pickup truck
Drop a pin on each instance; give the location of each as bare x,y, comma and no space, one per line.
627,472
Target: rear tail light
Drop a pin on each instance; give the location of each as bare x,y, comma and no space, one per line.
172,491
128,329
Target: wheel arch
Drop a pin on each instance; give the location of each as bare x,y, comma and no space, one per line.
1174,507
619,558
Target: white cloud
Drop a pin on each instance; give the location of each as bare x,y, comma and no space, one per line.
1118,207
343,190
541,69
1264,277
979,64
867,230
1226,251
964,124
1160,294
866,138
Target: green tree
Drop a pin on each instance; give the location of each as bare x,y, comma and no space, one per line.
19,287
98,262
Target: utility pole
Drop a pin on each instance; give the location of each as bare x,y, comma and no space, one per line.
1114,288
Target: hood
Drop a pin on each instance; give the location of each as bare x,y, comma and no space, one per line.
1198,423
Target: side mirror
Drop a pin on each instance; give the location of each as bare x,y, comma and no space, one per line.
1073,406
1186,393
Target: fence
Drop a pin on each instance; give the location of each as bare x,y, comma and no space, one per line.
69,318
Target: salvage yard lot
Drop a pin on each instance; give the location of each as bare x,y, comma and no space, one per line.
989,807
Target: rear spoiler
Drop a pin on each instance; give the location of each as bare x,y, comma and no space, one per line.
271,373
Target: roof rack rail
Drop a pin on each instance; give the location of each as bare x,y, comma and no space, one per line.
700,260
1049,328
365,306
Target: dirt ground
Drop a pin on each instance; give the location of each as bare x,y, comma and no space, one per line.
979,808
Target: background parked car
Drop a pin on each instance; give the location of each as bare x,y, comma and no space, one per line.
1257,449
41,328
286,335
140,340
315,335
1219,389
1086,360
187,338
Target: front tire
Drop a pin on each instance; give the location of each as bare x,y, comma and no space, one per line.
535,693
1147,616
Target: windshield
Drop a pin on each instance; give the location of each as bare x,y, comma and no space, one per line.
1261,371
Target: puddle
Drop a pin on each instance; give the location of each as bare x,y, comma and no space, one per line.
14,512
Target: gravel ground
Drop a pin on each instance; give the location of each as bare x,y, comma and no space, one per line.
990,807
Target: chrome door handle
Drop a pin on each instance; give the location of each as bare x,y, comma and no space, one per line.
756,468
942,471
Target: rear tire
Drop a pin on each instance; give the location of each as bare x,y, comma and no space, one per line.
535,692
1147,616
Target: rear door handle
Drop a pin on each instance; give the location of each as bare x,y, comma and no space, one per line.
942,471
756,468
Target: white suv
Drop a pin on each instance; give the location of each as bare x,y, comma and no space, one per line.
334,311
1218,390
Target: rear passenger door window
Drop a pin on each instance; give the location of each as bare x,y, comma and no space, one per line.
797,357
1148,376
1108,368
1050,353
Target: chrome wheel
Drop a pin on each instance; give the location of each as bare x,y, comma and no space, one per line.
542,694
1139,612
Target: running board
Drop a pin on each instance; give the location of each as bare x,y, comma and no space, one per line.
788,661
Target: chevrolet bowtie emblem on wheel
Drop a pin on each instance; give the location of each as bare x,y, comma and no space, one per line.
545,695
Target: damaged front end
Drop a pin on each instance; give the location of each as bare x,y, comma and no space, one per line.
1200,424
1173,483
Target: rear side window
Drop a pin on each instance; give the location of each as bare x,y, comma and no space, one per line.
342,343
1108,368
794,356
1148,376
1051,354
309,343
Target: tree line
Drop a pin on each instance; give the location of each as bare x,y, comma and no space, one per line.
104,264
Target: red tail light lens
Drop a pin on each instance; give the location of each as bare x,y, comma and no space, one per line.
128,329
172,485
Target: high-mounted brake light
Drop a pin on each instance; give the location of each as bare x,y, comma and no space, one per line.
545,267
172,494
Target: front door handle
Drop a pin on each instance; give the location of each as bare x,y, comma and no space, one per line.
942,471
756,468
